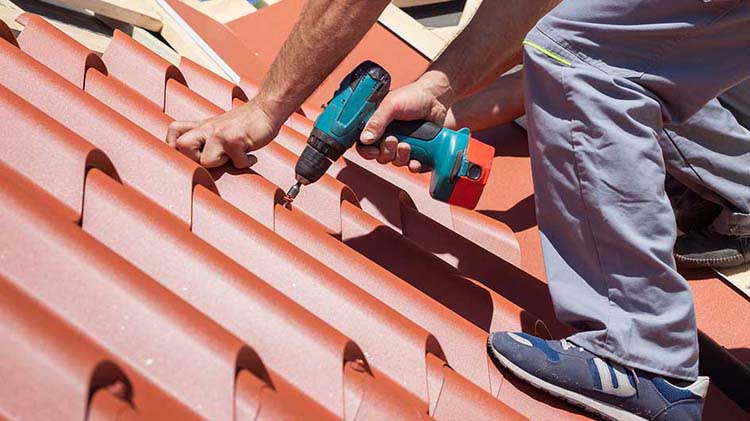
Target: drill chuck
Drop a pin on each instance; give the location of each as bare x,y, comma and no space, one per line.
311,165
319,154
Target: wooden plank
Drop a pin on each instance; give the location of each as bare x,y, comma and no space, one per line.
133,12
470,9
412,32
82,26
8,14
144,37
222,10
449,33
181,40
739,277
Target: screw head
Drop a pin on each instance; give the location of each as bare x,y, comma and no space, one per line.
474,172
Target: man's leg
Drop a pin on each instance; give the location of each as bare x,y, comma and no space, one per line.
606,224
601,77
607,233
710,153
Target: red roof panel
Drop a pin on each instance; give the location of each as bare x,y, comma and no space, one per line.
63,175
52,48
219,276
118,306
129,147
139,68
50,368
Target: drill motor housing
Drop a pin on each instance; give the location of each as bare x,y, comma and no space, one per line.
460,165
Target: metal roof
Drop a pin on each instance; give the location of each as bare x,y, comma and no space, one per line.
136,283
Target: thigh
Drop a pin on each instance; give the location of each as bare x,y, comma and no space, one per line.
710,153
685,52
737,101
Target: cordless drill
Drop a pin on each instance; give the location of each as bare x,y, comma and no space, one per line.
460,165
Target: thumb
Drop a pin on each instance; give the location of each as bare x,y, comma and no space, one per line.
381,118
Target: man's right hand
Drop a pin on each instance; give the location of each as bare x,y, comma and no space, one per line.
426,99
230,136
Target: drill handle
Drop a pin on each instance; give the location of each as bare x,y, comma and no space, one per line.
420,135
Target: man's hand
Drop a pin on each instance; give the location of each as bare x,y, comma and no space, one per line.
214,141
424,99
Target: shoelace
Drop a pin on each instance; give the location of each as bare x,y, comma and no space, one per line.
567,345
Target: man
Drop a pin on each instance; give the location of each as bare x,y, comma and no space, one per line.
603,80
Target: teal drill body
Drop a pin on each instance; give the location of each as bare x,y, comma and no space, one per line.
340,125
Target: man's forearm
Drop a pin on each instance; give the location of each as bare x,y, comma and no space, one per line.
325,33
489,46
499,103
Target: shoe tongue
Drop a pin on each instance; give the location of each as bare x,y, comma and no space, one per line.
565,345
697,388
679,383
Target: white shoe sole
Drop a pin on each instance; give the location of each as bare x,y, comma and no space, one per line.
602,409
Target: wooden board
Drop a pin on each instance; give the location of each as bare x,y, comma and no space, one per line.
133,12
8,14
449,33
182,41
739,278
145,38
412,32
81,26
222,10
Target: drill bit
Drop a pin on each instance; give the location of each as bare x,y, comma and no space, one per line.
292,193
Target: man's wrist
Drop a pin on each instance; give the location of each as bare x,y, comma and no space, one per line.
439,85
275,111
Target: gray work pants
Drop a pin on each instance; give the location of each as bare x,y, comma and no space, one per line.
603,80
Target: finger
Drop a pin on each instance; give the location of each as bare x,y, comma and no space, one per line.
177,129
191,144
213,154
236,152
415,166
368,152
380,119
403,151
388,150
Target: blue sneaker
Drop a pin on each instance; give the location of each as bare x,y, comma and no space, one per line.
595,384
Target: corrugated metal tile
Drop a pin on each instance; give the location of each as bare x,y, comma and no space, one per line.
140,68
64,174
118,306
137,229
211,86
54,49
49,368
391,342
130,148
425,309
395,345
128,102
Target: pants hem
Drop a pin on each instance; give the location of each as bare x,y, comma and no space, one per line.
594,348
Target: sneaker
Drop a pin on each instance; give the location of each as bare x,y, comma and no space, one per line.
708,248
693,212
604,388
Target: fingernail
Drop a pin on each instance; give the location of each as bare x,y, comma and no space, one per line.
367,136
